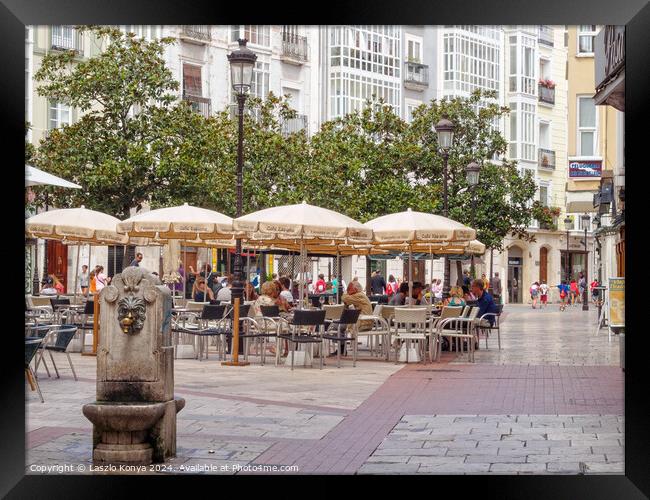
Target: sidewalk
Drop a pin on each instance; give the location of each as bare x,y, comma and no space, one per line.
551,401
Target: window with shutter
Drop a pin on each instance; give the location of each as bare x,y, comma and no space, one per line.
192,80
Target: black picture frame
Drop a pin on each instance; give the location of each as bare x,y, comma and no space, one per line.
635,14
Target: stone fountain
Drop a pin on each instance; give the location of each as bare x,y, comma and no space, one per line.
134,417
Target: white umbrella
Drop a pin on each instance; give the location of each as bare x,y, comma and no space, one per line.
184,222
75,224
412,228
303,223
36,177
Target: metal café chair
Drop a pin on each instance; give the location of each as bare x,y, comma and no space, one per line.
57,340
411,327
459,329
487,329
347,321
201,329
302,331
31,348
262,328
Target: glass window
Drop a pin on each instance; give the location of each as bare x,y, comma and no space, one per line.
257,34
586,35
586,126
543,195
192,80
59,115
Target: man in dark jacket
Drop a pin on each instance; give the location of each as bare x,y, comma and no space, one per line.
485,303
377,284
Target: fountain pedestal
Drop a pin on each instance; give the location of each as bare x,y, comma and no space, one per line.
134,417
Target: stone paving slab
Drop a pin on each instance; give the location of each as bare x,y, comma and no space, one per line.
509,451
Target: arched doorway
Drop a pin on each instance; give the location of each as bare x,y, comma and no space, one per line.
515,275
543,264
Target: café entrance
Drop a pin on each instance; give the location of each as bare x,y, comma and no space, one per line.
515,275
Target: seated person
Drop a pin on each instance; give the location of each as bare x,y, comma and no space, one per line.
354,296
399,298
199,291
225,293
485,303
455,297
249,291
286,289
417,295
280,300
268,298
48,287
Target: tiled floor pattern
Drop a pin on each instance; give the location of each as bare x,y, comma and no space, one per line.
552,369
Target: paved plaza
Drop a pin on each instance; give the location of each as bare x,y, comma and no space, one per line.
550,401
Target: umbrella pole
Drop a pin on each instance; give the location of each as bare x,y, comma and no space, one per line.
76,274
410,276
431,276
184,277
338,276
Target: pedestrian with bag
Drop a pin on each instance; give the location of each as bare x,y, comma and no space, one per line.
564,294
534,292
543,294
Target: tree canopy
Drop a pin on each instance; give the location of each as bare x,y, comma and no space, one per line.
137,143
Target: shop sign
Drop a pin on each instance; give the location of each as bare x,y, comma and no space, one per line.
515,261
617,302
585,168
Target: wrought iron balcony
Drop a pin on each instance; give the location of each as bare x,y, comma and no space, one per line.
546,158
66,38
294,48
199,104
545,35
196,32
293,125
416,76
546,95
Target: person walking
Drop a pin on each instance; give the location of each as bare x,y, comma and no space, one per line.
136,262
101,280
496,288
564,295
486,283
543,294
582,285
84,280
321,286
377,284
534,293
573,287
391,286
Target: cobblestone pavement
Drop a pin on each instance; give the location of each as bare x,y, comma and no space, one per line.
551,401
502,444
550,337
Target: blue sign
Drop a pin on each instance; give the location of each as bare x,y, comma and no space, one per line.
585,168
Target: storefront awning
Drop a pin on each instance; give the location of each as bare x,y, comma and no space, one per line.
573,207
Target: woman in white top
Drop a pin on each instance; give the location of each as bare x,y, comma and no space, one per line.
286,289
101,280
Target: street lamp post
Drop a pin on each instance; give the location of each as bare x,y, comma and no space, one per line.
567,221
585,302
242,61
473,170
445,132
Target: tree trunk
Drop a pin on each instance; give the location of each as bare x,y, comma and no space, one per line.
368,289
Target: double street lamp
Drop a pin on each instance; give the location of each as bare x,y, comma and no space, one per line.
242,62
445,132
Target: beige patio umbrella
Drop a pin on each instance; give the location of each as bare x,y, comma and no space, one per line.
303,224
77,225
411,228
172,225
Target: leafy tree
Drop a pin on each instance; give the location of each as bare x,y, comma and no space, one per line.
501,204
361,165
126,95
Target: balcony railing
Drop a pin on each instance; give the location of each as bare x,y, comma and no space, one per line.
546,95
293,125
66,38
294,47
199,104
200,32
416,76
546,158
545,35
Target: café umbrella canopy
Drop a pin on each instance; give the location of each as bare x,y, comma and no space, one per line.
411,229
37,177
180,223
303,224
